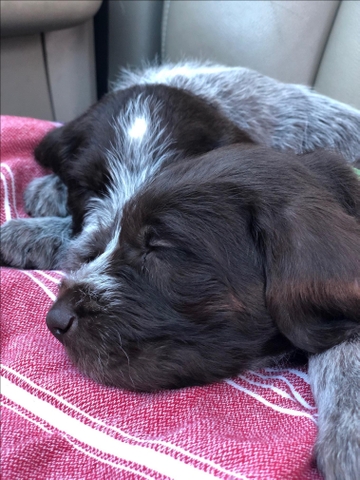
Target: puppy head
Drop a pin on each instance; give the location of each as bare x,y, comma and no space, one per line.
160,309
222,262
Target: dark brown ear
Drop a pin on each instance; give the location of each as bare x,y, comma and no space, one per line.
312,266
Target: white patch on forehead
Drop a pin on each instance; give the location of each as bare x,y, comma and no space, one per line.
140,146
138,128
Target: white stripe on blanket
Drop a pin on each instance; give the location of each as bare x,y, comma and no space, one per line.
97,421
41,285
8,169
152,459
277,408
6,199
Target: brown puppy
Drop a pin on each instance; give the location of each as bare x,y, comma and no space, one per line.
224,262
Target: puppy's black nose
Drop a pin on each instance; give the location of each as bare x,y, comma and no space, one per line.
60,318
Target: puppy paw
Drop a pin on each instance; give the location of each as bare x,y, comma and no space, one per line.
46,197
335,380
34,243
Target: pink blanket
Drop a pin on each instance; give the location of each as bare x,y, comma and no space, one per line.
58,424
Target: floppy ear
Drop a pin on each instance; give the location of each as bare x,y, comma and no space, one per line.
58,146
312,266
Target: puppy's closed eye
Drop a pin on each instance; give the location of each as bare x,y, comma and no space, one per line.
153,241
151,254
142,249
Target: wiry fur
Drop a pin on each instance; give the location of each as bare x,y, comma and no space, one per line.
40,243
335,382
46,197
120,321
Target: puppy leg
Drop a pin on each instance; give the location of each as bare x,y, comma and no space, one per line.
335,381
46,197
34,243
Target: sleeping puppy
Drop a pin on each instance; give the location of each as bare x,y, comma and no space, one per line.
223,261
153,117
158,118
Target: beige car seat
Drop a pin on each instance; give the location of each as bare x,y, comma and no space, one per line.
47,48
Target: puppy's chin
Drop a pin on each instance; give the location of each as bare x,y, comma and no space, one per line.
166,363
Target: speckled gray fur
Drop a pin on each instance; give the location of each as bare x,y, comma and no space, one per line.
276,114
46,197
335,382
40,243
